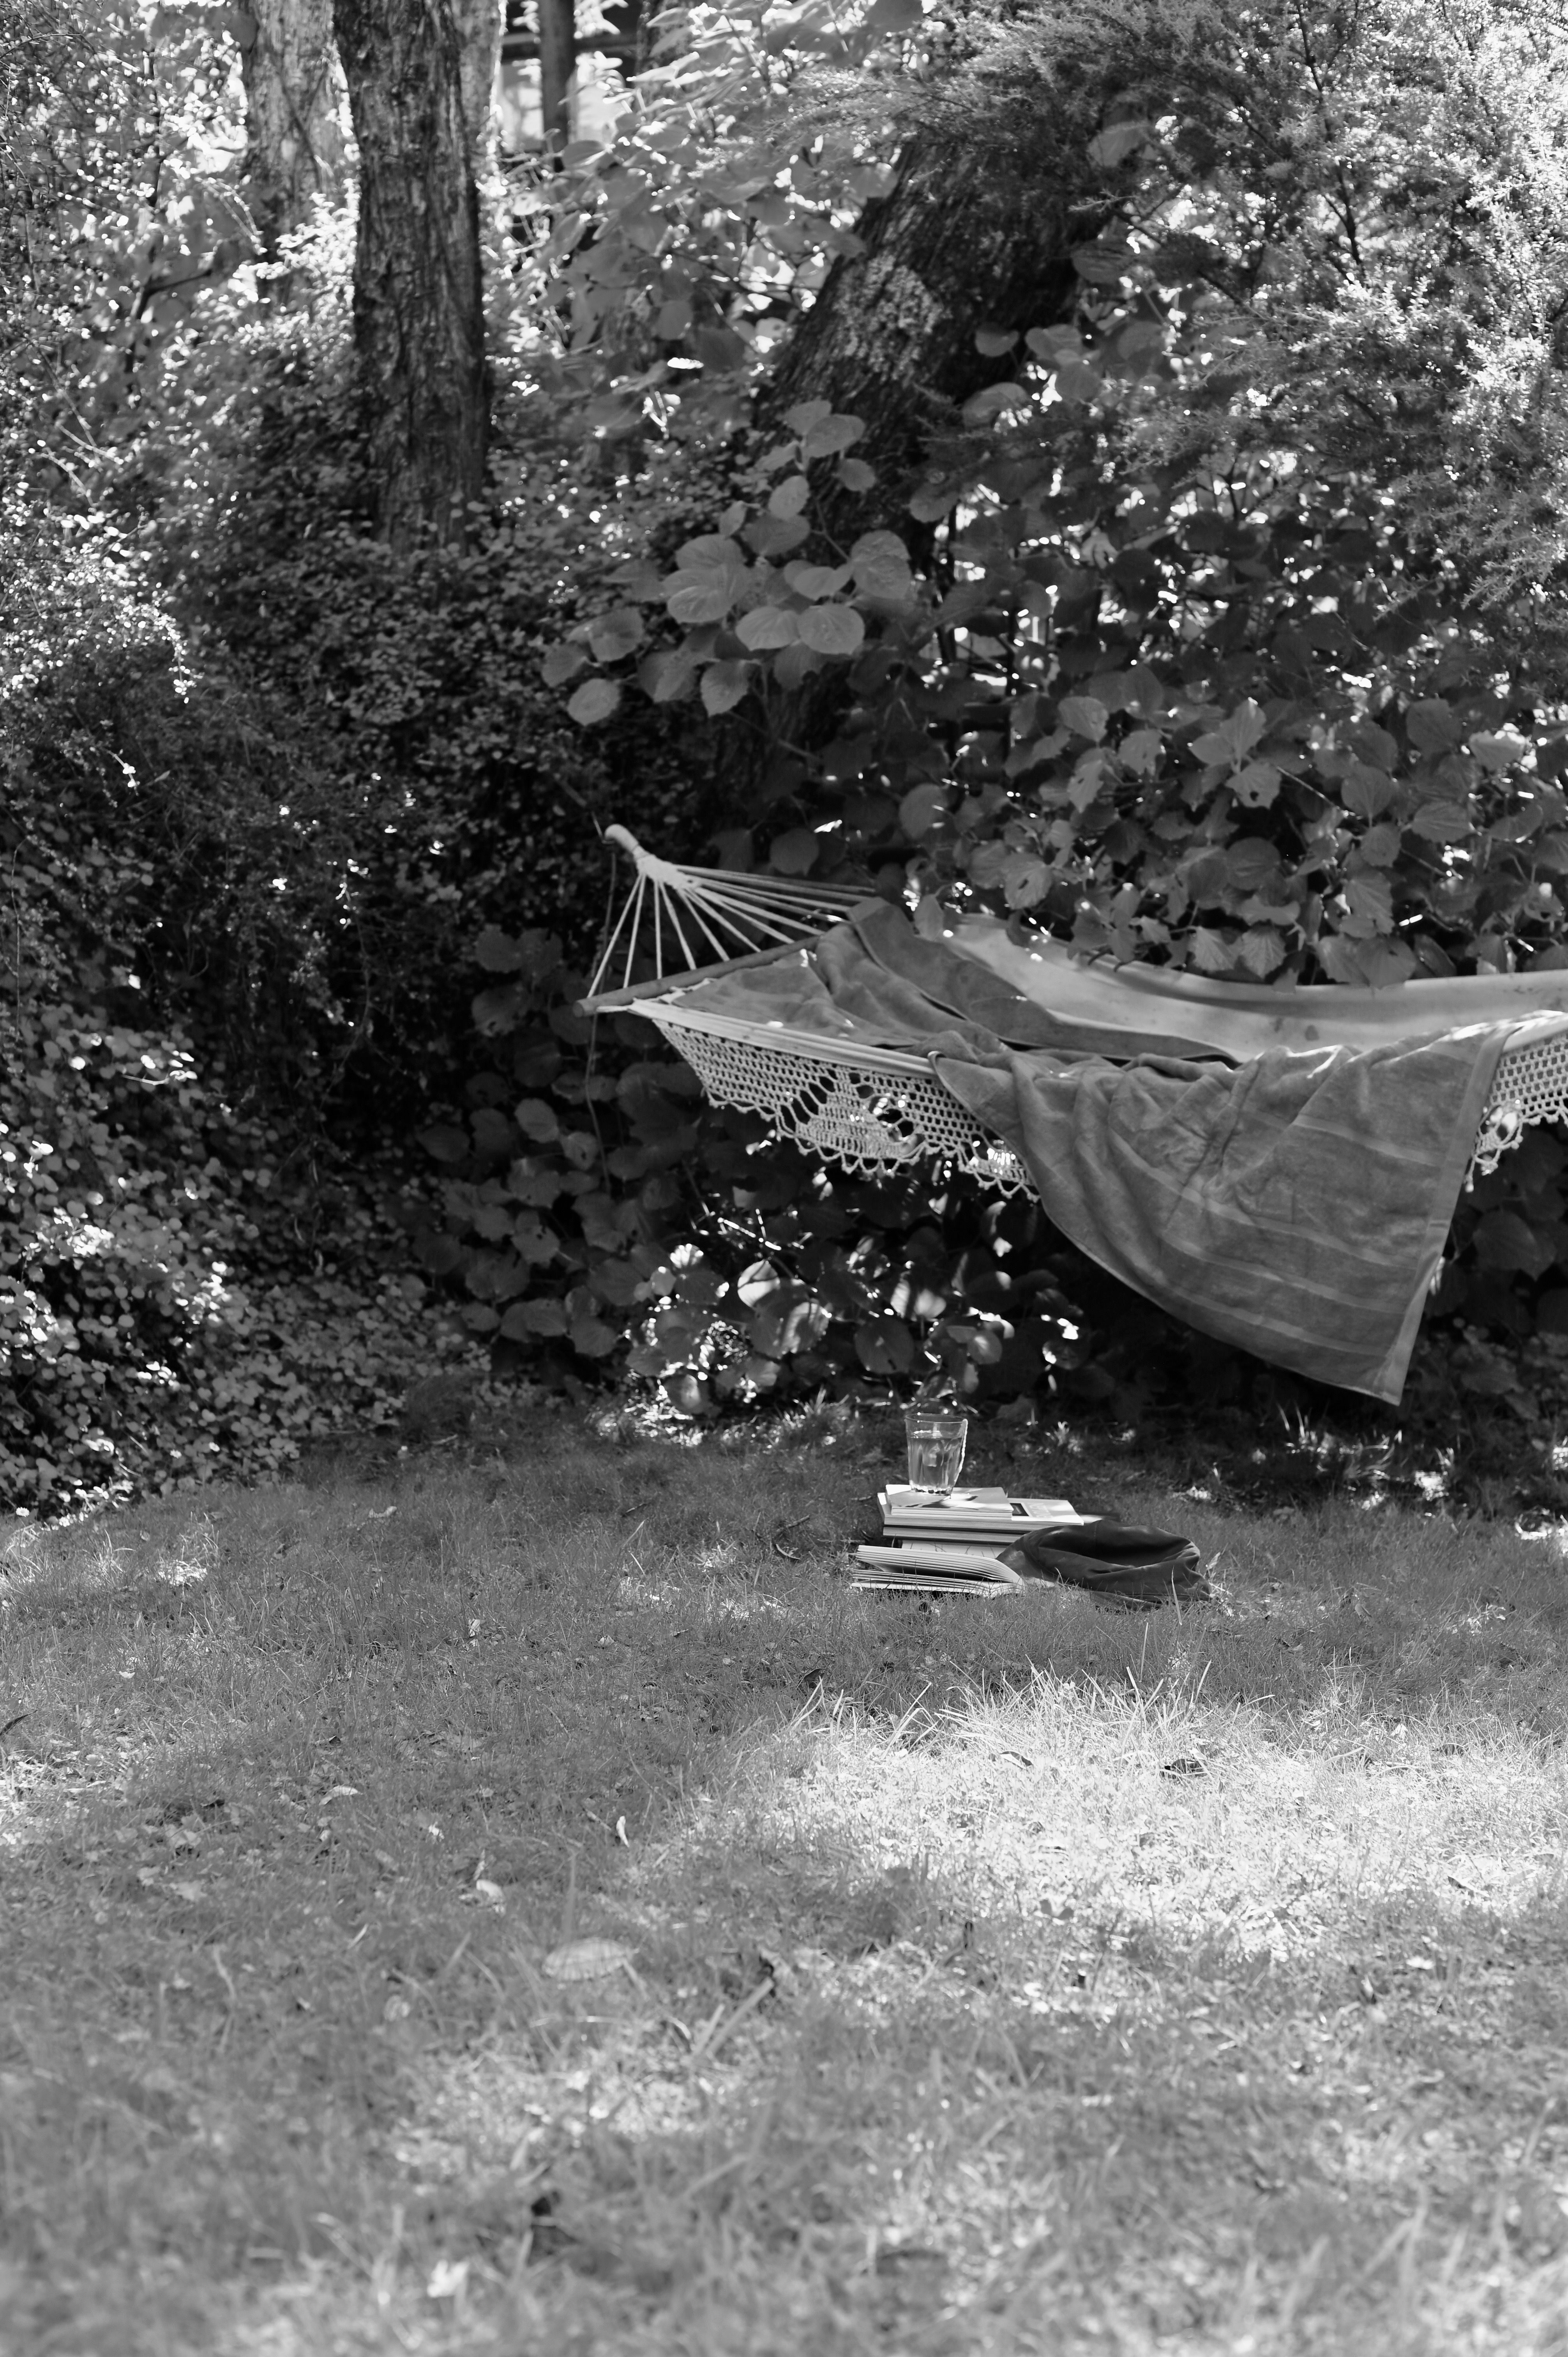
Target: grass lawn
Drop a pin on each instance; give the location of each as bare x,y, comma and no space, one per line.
997,1975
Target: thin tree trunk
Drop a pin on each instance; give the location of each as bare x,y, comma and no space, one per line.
479,26
418,291
292,97
557,62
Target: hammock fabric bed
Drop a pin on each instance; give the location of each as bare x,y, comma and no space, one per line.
1277,1167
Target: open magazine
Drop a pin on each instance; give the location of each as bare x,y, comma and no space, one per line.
944,1514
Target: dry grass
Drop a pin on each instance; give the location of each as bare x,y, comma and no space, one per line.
1005,1976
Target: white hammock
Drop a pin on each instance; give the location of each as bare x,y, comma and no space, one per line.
879,1110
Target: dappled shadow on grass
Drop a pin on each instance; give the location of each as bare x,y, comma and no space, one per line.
991,1961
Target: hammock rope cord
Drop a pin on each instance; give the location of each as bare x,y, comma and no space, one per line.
879,1110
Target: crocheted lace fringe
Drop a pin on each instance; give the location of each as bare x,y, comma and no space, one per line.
874,1120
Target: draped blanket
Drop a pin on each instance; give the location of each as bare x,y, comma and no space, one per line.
1291,1198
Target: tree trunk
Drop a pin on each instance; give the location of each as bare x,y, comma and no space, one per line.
419,337
293,123
955,245
963,239
557,62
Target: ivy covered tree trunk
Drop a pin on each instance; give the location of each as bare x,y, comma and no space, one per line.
418,289
293,122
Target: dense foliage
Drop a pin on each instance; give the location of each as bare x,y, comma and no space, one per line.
1189,648
1222,627
194,1277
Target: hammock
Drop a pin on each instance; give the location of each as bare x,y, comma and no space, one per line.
1276,1167
876,1110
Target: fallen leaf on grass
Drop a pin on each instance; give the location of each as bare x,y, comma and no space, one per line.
586,1959
190,1891
909,2254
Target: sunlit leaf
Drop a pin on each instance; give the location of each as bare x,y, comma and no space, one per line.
829,436
666,676
1256,785
815,581
767,626
615,634
594,701
995,401
1235,736
921,809
1498,752
694,598
725,685
832,629
1084,714
772,535
1442,822
562,664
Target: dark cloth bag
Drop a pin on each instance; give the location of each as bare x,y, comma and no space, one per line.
1115,1560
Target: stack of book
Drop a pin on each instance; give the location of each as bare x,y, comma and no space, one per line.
953,1542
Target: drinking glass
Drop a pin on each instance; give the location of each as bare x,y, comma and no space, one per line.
935,1436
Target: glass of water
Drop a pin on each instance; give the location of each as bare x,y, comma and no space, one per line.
936,1437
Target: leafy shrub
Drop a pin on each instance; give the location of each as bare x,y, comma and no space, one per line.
162,1316
190,1275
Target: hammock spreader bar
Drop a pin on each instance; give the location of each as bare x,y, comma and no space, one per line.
733,917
